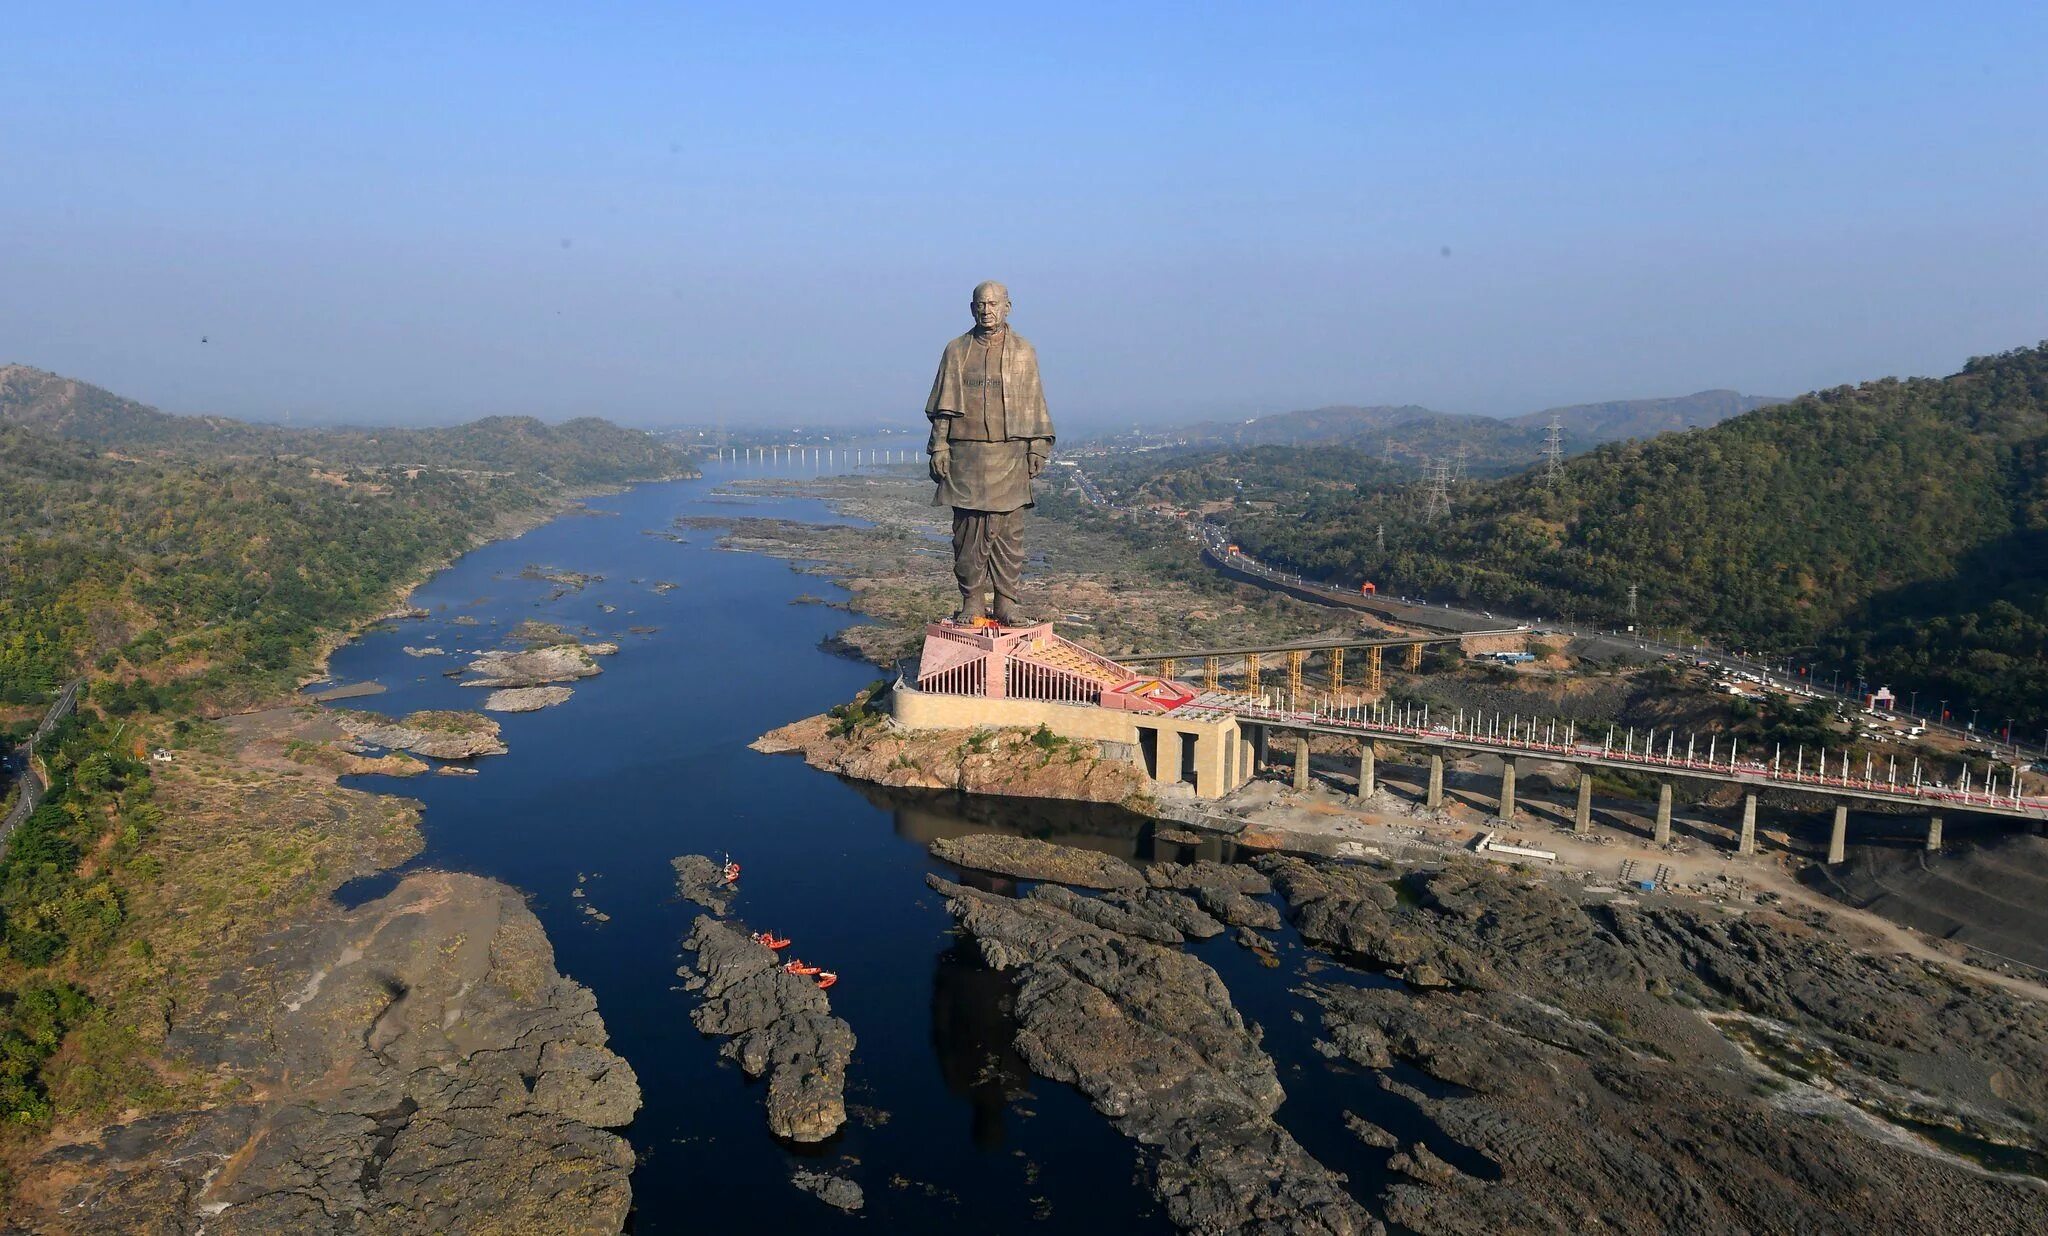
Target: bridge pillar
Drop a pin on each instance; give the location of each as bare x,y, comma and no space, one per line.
1259,753
1507,791
1301,762
1933,833
1746,844
1169,668
1435,796
1838,840
1212,672
1295,657
1366,771
1414,657
1661,834
1582,824
1372,668
1251,673
1336,669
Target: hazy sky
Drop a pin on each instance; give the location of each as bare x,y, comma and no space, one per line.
777,211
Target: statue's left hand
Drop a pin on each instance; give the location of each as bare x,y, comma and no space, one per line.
1036,462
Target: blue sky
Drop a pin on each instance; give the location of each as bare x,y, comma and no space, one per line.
776,212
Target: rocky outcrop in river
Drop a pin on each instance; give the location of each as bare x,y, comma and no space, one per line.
416,1064
776,1023
526,699
534,667
1641,1067
1149,1034
1028,858
1004,763
436,734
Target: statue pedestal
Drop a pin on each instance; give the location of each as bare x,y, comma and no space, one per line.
1032,662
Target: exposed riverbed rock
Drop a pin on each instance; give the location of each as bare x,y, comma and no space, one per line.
526,699
832,1190
777,1023
1149,1034
436,734
532,667
415,1064
996,762
1028,858
701,879
1654,1067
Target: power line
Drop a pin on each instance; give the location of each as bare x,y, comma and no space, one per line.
1553,451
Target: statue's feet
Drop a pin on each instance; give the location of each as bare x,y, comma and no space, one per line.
1010,616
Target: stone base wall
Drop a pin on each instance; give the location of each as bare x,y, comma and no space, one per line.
1158,742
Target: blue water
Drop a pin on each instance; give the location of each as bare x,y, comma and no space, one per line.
649,761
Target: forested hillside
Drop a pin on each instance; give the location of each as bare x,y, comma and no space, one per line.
582,451
176,559
1899,527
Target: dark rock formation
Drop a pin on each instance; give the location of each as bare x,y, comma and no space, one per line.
777,1023
417,1064
1232,877
832,1190
1645,1068
1027,858
1149,1034
702,880
1176,910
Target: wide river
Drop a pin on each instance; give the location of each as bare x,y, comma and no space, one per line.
648,761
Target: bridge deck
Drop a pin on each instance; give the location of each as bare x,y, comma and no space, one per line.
1317,645
1751,773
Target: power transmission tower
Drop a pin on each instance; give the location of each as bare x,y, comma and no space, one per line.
1553,452
1631,602
1458,464
1379,538
1437,499
1387,452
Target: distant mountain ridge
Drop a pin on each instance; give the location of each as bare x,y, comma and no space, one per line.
1411,434
1898,527
1618,419
582,451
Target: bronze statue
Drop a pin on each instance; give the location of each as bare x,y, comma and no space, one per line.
991,435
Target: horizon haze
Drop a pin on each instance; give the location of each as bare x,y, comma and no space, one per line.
406,216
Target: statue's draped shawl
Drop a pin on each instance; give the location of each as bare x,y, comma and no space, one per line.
1023,397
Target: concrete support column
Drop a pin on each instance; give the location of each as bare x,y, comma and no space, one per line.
1747,843
1838,840
1301,762
1933,833
1507,791
1436,781
1258,748
1366,771
1582,824
1661,835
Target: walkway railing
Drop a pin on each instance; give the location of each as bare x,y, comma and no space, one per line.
1524,736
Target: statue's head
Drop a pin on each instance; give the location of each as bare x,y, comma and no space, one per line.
991,307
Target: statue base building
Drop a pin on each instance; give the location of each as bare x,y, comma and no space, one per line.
988,676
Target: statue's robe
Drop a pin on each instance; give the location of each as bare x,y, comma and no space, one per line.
989,406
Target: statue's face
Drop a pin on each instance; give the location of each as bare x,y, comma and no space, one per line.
991,307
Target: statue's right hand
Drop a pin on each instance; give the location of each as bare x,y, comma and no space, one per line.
942,463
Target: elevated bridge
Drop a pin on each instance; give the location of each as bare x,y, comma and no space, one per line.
1250,661
1831,775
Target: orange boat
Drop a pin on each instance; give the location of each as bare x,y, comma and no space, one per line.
798,966
826,978
732,872
768,939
